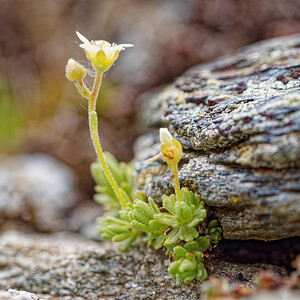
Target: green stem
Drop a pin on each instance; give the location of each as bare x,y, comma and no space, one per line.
175,181
95,92
84,92
93,124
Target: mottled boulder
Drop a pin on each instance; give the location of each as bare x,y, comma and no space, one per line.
238,119
36,191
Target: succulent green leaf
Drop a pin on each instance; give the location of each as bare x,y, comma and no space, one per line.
213,223
169,203
140,226
188,234
204,243
145,209
139,216
127,243
156,225
179,252
157,242
173,268
173,236
123,174
194,222
183,212
139,195
121,237
117,228
201,272
187,266
201,214
191,246
153,206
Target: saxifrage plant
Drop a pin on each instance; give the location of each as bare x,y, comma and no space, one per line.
128,214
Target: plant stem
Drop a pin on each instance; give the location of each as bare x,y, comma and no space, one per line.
175,181
95,92
93,125
82,89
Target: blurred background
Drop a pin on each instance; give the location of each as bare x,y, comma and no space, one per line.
41,112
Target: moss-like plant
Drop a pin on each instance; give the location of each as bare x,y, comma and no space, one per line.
128,214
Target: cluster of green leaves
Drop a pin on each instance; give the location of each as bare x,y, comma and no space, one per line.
175,225
114,224
105,195
188,258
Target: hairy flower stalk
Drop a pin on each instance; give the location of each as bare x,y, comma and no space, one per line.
102,55
93,125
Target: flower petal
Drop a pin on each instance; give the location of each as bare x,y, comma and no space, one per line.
165,136
126,45
110,51
82,38
91,49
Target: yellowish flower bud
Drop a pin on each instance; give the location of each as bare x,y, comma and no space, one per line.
102,54
171,149
74,70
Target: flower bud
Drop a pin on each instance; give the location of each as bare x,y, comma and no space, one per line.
171,149
74,70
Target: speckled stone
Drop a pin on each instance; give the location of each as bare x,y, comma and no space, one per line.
17,295
36,191
238,119
66,266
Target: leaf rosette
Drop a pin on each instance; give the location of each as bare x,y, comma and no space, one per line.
182,216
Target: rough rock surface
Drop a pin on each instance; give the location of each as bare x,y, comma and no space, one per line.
35,192
17,295
238,119
65,266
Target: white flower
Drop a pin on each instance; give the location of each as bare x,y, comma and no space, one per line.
102,54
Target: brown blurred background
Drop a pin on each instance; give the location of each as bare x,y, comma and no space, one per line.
40,111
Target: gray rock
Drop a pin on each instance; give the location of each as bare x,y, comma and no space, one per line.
36,191
66,266
238,119
19,295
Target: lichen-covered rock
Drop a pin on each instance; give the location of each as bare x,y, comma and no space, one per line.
66,266
238,119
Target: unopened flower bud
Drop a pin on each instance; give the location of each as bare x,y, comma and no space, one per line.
171,149
74,70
